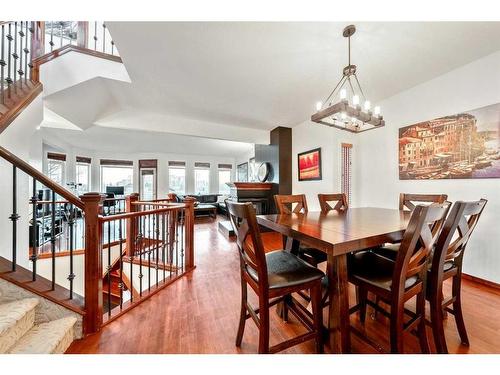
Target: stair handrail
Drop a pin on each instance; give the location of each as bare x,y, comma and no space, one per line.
39,176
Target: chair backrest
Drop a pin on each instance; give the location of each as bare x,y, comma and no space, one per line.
248,239
418,241
409,201
284,202
456,232
339,199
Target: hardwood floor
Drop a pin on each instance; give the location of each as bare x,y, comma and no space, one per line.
199,313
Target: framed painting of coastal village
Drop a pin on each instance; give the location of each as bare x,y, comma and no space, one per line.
461,146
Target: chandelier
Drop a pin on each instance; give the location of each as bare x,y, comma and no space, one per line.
352,112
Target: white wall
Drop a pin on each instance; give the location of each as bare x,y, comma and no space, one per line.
21,139
310,135
472,86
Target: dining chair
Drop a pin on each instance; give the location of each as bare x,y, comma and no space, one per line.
408,202
330,202
447,263
288,204
273,276
398,282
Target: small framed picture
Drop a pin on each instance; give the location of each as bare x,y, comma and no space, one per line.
309,165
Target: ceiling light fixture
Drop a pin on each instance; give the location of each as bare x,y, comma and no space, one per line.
353,117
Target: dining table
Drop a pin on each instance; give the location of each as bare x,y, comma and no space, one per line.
339,233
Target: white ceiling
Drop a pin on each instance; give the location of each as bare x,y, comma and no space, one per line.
262,75
238,80
103,139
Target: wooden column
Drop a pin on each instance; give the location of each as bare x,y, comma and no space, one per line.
131,223
92,321
189,231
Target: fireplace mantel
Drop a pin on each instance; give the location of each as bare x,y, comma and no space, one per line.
251,185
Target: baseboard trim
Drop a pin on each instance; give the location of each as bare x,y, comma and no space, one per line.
478,280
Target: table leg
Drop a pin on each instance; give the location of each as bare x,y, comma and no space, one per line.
338,319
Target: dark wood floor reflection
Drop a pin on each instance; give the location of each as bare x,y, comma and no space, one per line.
199,313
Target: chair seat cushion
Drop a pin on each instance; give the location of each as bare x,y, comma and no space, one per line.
287,270
317,255
370,268
389,251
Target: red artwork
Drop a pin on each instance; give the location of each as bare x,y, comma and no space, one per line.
309,163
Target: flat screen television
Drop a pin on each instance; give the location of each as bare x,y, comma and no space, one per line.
116,190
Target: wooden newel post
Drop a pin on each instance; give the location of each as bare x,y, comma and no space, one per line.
131,223
189,231
93,264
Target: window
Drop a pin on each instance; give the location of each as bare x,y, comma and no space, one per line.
117,176
82,177
202,178
55,170
177,177
224,177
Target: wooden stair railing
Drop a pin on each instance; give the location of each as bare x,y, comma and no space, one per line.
161,246
23,49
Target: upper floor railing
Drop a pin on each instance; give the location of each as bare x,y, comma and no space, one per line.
25,45
128,252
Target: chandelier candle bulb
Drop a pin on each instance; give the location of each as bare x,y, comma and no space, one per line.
318,106
343,94
376,111
367,105
355,100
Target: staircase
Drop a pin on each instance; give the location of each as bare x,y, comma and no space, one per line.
20,335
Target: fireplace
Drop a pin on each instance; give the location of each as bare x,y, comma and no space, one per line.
260,194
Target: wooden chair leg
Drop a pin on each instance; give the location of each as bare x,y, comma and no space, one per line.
422,333
264,324
396,327
457,310
284,311
362,297
317,308
243,312
436,307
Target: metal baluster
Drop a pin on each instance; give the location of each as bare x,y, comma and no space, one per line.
35,233
15,57
20,71
53,238
95,36
26,51
32,31
71,224
2,64
61,34
157,233
109,268
149,252
51,43
121,263
183,223
140,239
164,244
9,78
112,47
176,233
104,38
131,259
14,217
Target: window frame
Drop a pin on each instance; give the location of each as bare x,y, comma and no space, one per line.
196,169
228,190
169,179
89,176
101,170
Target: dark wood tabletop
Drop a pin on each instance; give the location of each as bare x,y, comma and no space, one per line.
341,232
337,234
